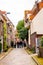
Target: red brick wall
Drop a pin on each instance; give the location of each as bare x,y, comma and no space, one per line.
1,28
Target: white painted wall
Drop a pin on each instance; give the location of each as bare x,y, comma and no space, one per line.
26,24
37,23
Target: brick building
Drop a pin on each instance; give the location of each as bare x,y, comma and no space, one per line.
9,30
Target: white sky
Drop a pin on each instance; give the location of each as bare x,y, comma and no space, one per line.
16,8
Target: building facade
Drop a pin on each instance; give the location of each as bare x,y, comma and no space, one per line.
9,29
35,21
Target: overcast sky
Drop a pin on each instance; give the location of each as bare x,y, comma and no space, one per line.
16,8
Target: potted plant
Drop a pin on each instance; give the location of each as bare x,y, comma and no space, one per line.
41,47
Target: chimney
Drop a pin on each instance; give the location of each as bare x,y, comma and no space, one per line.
36,1
37,4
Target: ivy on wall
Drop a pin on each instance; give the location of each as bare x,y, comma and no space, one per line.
4,36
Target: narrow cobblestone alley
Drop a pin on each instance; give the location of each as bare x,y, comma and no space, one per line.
17,57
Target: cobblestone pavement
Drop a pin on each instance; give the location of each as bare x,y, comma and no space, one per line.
17,57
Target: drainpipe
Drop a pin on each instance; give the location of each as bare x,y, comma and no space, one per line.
29,36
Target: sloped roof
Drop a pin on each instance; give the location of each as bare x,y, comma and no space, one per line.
36,9
39,15
2,15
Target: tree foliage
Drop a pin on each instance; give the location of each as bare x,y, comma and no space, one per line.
22,31
20,25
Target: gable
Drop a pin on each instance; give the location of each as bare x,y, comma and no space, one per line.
37,23
39,15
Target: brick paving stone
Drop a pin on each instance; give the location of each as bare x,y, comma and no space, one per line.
17,57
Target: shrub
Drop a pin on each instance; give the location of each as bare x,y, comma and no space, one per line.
41,41
33,49
4,46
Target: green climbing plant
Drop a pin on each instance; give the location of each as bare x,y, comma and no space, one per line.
4,37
